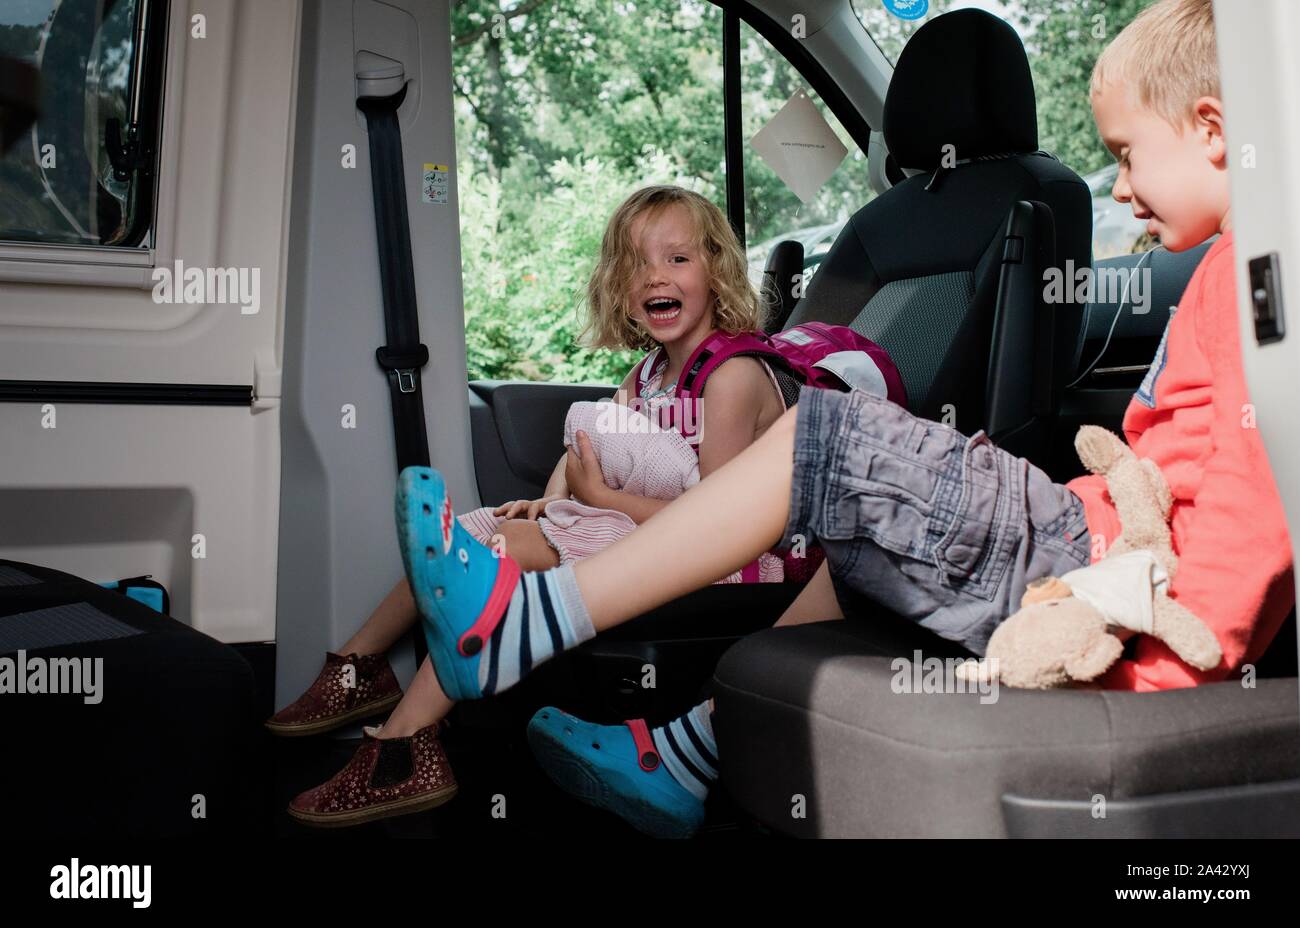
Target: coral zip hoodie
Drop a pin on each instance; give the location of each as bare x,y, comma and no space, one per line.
1192,416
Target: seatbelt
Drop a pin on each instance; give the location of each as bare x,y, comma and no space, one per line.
403,355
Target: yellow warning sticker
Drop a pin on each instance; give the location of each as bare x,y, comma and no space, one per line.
434,188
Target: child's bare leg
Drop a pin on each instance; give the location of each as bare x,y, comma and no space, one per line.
816,602
392,618
422,704
718,526
425,703
397,613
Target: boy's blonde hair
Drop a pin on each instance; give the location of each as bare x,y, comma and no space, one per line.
735,304
1166,59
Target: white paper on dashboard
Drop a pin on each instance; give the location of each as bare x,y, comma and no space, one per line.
800,146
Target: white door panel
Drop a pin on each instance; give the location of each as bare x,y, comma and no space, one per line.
116,489
223,194
1261,88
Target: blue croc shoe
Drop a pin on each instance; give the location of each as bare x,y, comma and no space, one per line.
616,768
461,586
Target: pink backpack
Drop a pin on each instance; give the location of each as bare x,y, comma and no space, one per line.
831,357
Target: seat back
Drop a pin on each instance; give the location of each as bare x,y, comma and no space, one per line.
917,269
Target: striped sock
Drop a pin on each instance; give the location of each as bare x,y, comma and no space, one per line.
546,615
687,749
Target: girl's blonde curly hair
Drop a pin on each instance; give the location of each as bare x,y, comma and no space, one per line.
609,321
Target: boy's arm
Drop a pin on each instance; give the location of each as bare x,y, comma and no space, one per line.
1236,552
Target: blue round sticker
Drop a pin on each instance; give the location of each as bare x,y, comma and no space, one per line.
907,9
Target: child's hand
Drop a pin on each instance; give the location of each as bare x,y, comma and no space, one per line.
524,508
582,473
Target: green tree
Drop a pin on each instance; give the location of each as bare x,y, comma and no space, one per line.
563,107
1064,38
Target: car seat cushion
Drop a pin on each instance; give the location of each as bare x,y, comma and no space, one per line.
822,711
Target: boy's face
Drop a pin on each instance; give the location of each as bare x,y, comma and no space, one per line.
1178,181
674,278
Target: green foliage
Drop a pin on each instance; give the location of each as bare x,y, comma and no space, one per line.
525,283
1064,39
890,32
563,107
562,111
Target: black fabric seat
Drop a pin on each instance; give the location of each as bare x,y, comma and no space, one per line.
917,269
175,718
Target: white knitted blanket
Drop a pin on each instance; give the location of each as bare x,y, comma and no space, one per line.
635,453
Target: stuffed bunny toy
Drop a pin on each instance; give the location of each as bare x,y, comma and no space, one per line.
1062,635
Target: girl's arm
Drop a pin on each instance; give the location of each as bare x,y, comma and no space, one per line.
730,410
556,485
637,508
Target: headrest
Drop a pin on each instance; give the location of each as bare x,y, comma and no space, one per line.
962,80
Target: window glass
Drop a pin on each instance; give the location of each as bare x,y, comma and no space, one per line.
59,184
562,110
773,213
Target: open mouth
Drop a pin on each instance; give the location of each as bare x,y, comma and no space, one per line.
662,310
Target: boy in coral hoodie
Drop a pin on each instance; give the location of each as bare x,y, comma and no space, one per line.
940,528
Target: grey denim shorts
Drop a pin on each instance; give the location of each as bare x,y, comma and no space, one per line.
942,529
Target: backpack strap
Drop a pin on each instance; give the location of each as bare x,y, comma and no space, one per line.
714,351
707,357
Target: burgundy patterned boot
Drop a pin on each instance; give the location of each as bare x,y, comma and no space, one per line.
386,777
347,689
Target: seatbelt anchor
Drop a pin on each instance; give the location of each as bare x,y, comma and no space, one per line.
404,364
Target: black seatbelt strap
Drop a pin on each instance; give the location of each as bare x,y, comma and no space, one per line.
403,355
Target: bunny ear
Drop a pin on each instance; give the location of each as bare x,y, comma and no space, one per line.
1099,448
1095,659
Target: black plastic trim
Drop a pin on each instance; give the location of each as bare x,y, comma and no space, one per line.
146,394
261,657
153,72
731,120
792,49
809,69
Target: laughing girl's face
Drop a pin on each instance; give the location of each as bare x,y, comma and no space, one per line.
671,298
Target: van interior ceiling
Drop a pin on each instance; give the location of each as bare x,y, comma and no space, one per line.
258,258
